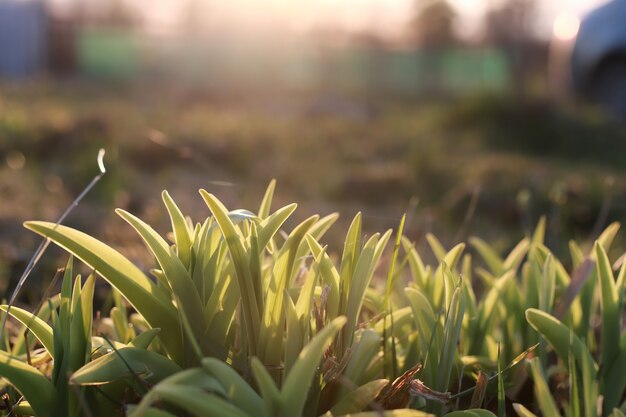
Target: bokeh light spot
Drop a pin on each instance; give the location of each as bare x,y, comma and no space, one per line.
566,26
15,160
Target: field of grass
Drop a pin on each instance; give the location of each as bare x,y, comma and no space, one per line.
457,166
368,312
243,318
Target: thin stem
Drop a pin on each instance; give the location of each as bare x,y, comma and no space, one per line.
46,242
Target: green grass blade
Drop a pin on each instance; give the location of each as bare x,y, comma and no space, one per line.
501,392
240,259
441,293
487,313
542,392
349,258
197,402
418,270
305,298
452,330
608,235
429,332
523,411
298,381
620,286
274,405
329,276
558,335
436,247
517,255
194,377
359,282
294,339
317,231
266,202
34,386
539,234
145,296
271,334
39,328
182,235
547,285
256,267
576,253
610,313
615,380
491,258
237,390
272,224
86,296
115,365
143,340
360,398
363,353
175,272
390,285
79,347
574,390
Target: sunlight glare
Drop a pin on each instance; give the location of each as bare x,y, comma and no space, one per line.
566,26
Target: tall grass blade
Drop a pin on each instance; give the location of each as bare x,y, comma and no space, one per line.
175,272
147,298
558,335
328,275
182,235
360,398
298,381
115,366
608,235
274,404
39,328
501,393
491,258
349,258
359,282
610,313
271,333
237,390
539,235
542,391
436,246
266,202
390,285
234,239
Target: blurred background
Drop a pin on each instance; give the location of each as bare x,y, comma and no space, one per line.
475,117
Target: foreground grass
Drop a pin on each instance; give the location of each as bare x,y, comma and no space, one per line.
245,317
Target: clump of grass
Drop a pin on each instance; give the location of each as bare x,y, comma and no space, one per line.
243,318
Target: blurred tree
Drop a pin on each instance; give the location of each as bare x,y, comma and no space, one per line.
509,27
433,33
433,24
510,23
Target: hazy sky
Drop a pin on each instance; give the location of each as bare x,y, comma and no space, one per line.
389,17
